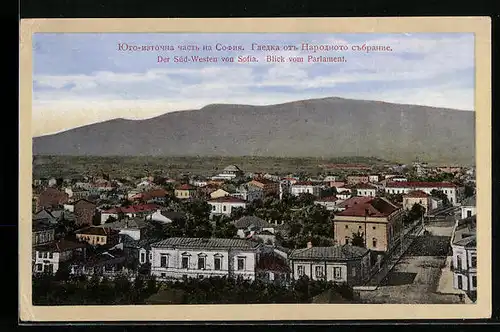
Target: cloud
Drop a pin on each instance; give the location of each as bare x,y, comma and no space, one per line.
433,70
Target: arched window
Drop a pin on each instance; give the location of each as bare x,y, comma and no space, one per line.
374,242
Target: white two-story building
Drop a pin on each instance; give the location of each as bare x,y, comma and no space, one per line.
464,260
451,190
306,187
225,205
468,207
178,258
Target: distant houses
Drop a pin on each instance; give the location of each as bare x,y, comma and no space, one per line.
452,191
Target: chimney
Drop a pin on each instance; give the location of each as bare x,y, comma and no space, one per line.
309,245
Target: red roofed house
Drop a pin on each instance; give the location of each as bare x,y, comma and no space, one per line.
150,195
417,197
51,198
225,205
269,187
98,235
129,211
376,219
184,191
451,190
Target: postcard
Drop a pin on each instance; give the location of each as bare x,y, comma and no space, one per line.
255,169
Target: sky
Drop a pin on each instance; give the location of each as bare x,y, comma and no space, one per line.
81,78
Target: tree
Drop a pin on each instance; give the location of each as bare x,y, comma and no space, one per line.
110,220
441,195
96,219
358,240
469,190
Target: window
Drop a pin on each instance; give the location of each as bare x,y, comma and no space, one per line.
241,263
300,270
45,255
213,207
143,257
319,271
39,267
346,226
337,273
39,255
108,267
474,281
374,227
469,213
51,255
185,262
346,240
217,263
459,262
459,282
359,227
473,261
201,263
353,271
163,275
150,256
163,260
224,208
374,243
50,268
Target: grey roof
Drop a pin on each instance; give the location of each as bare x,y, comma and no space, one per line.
468,242
469,201
173,215
335,253
205,243
247,221
126,223
232,168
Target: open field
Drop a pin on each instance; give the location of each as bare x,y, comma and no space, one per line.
68,166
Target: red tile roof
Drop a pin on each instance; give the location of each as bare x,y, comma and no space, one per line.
406,184
374,207
417,194
185,187
60,246
227,199
133,209
307,183
327,199
364,186
354,200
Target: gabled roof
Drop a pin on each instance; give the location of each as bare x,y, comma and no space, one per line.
185,187
469,201
247,221
60,246
232,168
374,207
468,242
417,194
227,199
205,243
97,230
334,253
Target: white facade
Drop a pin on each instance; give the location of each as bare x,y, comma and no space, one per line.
52,182
69,207
298,189
328,204
46,261
465,268
225,208
453,193
373,178
169,263
367,192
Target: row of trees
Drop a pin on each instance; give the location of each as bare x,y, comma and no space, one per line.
121,291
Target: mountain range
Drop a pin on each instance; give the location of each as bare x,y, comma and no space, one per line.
328,127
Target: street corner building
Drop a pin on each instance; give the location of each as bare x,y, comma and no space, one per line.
341,264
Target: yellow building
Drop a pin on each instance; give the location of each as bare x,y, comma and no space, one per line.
97,235
184,191
377,220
